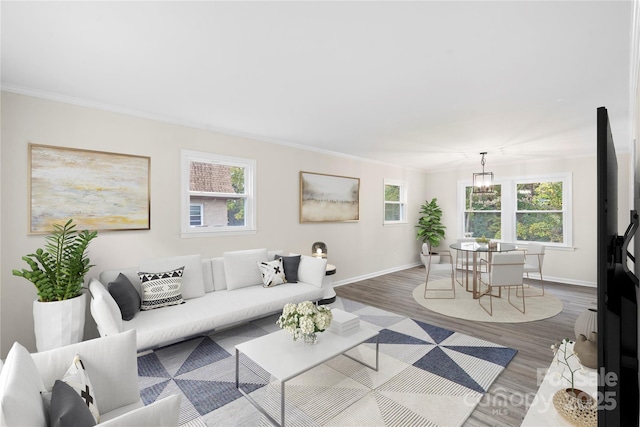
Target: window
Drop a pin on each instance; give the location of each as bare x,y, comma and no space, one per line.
195,214
483,213
395,201
217,194
530,209
539,212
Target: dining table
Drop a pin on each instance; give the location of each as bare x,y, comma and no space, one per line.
476,249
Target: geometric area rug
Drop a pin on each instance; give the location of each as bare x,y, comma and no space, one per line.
427,376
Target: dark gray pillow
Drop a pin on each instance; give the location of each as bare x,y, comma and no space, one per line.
291,264
68,408
126,296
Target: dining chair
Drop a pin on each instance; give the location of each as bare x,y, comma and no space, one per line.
444,264
505,270
464,263
533,259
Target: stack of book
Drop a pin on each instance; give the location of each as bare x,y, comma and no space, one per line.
343,323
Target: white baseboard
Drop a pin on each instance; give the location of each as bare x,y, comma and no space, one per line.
405,267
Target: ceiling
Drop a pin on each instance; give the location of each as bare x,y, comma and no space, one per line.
423,84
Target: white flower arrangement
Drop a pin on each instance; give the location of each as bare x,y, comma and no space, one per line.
304,319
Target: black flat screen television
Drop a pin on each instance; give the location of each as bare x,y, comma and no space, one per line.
617,303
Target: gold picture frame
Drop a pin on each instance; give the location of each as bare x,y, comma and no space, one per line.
99,190
329,198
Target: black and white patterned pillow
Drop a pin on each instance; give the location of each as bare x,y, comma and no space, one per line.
272,273
76,376
161,289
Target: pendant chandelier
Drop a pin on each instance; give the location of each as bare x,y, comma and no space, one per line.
483,181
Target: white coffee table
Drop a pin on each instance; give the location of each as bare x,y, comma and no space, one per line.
285,359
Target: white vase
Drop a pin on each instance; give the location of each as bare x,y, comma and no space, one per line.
586,323
59,323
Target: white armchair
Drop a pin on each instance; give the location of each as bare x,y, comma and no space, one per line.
111,365
505,270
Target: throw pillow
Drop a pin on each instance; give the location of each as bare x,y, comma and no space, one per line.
272,273
291,264
125,296
192,282
20,387
77,378
161,289
312,270
68,408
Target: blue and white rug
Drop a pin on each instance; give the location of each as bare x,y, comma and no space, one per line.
428,376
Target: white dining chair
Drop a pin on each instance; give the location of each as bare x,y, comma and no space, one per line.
533,259
506,270
444,264
464,264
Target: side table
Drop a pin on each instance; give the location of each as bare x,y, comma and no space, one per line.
327,284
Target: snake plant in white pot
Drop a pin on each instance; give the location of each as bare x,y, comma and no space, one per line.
58,272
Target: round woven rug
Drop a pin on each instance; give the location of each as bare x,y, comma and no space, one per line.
465,307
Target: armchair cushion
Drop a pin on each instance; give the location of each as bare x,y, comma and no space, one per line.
20,388
110,361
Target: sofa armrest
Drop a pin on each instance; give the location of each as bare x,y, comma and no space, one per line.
111,364
161,413
104,310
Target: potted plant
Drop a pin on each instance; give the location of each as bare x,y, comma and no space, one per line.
58,272
430,227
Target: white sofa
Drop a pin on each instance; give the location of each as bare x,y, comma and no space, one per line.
111,366
218,293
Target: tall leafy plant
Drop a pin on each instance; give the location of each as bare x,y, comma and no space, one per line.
430,227
58,270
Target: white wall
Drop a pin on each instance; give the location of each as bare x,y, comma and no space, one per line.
358,249
576,265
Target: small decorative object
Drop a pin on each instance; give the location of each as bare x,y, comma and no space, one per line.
586,350
305,320
319,250
586,323
493,245
58,274
575,405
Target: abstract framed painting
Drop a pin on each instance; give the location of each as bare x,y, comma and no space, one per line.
98,190
329,198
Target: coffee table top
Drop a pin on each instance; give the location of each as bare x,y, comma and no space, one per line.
285,358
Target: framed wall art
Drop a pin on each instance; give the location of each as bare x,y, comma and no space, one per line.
99,190
325,198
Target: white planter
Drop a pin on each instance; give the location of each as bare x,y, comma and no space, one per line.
435,259
59,323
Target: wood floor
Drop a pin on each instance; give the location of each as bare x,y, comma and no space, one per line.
506,402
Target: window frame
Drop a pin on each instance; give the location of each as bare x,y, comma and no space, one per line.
249,196
509,205
402,202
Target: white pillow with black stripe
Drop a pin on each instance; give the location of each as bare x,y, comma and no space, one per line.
161,289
